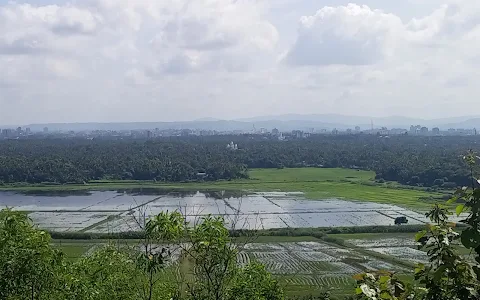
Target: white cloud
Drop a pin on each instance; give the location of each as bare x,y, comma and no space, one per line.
26,29
94,60
350,35
212,35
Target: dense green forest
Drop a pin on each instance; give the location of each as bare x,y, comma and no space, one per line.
425,161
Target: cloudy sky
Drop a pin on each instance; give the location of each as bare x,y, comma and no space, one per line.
151,60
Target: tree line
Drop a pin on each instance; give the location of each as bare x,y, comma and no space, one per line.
424,161
76,161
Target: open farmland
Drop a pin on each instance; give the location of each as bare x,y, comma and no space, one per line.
318,265
116,211
400,246
303,265
315,183
300,198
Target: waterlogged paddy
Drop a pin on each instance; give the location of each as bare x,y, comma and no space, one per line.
116,211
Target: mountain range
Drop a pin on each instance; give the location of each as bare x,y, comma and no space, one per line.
285,122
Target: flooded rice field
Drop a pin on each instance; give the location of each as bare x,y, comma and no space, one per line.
403,248
117,211
314,263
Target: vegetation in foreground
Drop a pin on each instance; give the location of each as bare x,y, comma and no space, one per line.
32,269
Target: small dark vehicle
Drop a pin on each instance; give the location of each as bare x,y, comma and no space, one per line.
401,220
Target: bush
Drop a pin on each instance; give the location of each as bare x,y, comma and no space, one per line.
449,185
414,180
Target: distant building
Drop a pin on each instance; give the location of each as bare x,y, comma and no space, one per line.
275,131
357,128
5,132
297,134
462,131
28,130
349,131
335,131
45,129
232,146
414,130
436,131
470,132
424,130
398,131
201,175
383,131
209,132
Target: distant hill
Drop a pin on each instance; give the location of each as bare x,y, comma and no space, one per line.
221,125
470,123
282,122
392,121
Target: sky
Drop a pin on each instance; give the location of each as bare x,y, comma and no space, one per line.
172,60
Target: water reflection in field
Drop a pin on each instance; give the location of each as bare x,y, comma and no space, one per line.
115,211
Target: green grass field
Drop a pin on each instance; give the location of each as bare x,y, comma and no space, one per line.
310,174
73,251
316,183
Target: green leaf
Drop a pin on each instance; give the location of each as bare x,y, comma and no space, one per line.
452,200
439,273
470,238
459,209
385,295
420,268
384,279
420,234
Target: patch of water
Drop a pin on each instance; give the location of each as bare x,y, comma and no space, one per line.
76,211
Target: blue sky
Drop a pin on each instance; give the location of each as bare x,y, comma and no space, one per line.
121,60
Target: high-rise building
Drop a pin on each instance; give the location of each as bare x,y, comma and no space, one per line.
7,132
45,129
